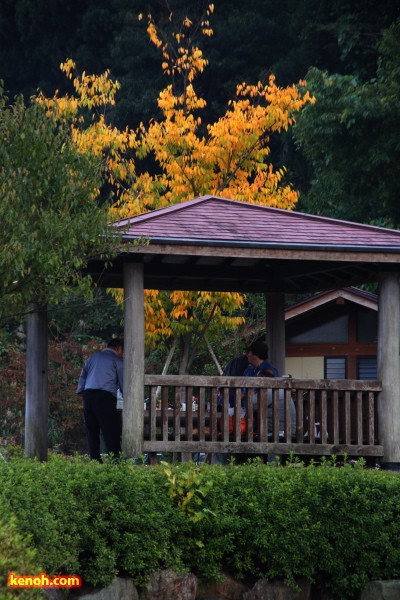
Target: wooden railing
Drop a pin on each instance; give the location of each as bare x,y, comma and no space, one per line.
261,415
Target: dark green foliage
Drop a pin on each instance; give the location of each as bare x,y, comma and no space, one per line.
94,520
50,225
350,136
338,527
16,556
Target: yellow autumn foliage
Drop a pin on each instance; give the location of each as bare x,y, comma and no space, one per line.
227,158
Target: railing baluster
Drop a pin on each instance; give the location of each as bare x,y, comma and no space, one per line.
300,416
152,413
335,416
236,415
347,418
164,412
248,436
202,413
177,415
371,419
275,415
262,416
288,416
189,414
323,418
359,418
311,416
225,416
213,414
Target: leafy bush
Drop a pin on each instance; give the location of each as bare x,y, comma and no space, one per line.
16,556
66,425
338,527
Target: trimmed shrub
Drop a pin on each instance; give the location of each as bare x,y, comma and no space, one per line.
16,556
337,526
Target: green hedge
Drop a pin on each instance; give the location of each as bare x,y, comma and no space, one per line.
338,526
16,556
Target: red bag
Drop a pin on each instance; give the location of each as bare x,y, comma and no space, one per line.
243,425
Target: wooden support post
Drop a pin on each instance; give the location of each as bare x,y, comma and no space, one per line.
36,406
275,329
388,368
133,412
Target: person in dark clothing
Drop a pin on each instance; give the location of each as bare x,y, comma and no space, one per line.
101,376
257,358
237,366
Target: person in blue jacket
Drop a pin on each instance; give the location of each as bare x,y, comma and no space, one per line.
257,357
259,366
101,376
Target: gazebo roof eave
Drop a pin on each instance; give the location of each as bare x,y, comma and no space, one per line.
173,241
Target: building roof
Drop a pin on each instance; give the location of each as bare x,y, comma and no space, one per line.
217,244
225,222
350,294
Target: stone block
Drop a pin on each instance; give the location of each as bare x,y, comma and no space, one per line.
227,589
119,589
277,590
381,590
168,585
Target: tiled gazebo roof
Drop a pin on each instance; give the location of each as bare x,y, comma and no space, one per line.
223,221
217,244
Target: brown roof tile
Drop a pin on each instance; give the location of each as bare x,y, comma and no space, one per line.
226,222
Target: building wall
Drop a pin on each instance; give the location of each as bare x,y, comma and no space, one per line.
342,334
305,367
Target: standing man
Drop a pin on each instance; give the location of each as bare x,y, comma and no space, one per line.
101,375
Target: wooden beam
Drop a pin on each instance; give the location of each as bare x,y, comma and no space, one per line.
388,367
275,329
36,406
375,256
133,412
259,382
263,448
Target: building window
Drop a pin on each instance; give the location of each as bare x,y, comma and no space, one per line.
335,367
367,326
367,368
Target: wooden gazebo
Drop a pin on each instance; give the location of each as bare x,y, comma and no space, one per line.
217,244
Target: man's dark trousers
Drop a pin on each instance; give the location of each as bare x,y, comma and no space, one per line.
100,410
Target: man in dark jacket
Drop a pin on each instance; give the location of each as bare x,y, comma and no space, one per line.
237,366
101,376
257,359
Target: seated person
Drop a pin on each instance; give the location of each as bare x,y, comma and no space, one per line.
268,373
260,367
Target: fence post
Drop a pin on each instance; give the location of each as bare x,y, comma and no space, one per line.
388,368
133,412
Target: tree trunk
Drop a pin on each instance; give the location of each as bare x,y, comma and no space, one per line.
185,342
36,407
215,359
167,363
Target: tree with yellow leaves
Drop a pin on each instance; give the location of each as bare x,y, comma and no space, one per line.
228,158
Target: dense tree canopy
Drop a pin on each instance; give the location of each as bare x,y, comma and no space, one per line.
351,139
181,155
346,161
50,223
